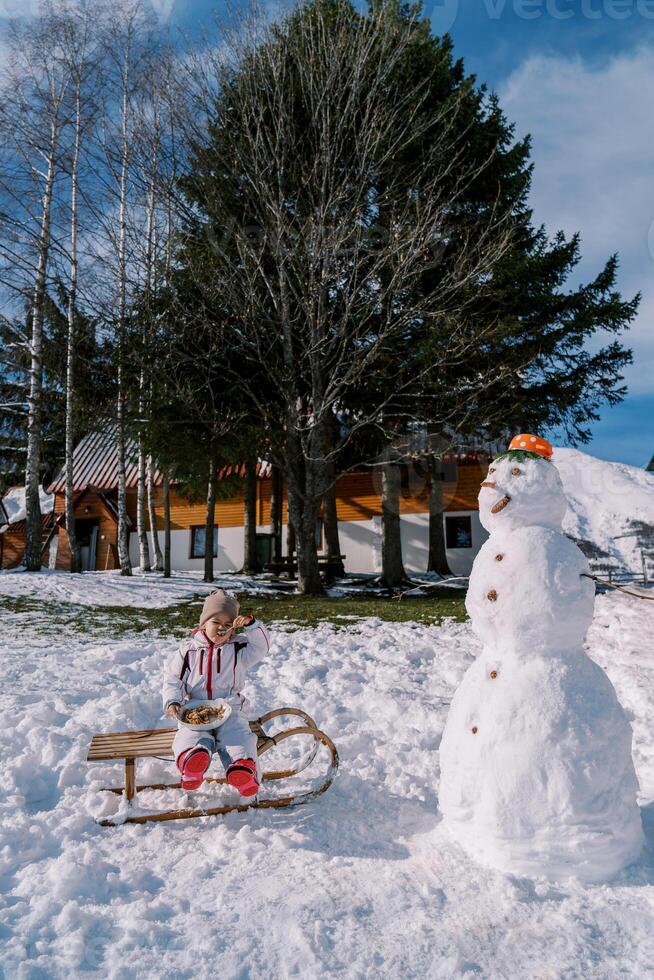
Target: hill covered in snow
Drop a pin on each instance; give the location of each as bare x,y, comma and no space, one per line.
610,508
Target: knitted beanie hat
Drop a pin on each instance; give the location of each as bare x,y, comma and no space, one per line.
219,602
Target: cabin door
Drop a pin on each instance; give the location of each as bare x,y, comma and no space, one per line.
87,537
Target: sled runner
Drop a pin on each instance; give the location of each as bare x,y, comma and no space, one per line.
158,742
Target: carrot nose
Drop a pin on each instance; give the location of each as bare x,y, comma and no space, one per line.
487,484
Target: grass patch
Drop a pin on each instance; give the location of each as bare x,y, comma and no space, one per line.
311,610
299,611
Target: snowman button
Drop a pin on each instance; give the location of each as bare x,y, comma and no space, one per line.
493,674
492,595
499,557
474,729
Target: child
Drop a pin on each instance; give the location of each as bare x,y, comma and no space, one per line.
213,664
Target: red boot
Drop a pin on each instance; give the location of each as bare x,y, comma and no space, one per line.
193,764
242,774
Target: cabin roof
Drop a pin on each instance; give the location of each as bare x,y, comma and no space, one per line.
95,464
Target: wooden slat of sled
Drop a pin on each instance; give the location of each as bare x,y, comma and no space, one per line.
141,745
135,745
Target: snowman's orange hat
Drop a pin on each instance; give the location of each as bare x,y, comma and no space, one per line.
527,443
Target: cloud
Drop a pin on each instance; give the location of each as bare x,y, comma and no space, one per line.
593,148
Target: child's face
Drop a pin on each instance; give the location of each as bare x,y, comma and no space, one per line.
219,628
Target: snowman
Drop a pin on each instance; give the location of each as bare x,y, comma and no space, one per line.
536,770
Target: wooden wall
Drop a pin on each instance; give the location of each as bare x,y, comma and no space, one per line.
12,548
358,495
229,513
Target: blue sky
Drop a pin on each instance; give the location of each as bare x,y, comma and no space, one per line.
579,76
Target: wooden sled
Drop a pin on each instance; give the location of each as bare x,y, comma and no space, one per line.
158,742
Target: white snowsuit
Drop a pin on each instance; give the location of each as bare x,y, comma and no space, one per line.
200,669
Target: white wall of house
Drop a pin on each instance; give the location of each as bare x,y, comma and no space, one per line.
230,550
360,543
460,559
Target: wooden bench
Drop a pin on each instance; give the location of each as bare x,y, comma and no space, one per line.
158,743
289,565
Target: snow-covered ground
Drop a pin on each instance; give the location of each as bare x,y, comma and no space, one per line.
153,591
145,591
362,883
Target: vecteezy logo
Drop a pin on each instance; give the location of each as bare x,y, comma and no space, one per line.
441,13
162,9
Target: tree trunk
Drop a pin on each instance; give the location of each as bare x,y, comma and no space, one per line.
156,558
123,529
393,573
290,541
250,520
34,532
308,572
330,524
152,515
210,519
437,561
144,549
123,532
303,512
69,506
166,509
276,508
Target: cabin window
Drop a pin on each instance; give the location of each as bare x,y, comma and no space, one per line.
458,532
198,541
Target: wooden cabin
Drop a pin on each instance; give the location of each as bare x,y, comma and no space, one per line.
358,501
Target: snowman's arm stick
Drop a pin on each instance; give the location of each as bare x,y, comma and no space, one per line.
619,588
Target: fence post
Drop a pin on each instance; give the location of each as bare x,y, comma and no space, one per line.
644,564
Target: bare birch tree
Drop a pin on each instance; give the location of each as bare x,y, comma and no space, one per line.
34,116
128,47
83,29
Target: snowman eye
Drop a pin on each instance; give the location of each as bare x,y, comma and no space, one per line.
492,469
516,471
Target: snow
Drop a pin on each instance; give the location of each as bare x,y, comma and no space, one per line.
141,590
606,504
14,504
149,590
364,882
537,774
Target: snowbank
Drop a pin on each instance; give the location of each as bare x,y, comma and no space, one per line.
362,883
